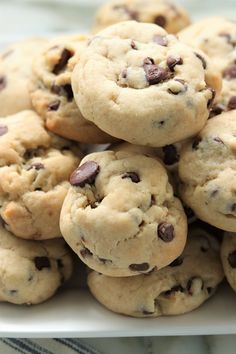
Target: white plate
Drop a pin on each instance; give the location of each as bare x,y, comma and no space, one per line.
74,312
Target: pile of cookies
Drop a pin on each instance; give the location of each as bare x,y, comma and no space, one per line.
152,214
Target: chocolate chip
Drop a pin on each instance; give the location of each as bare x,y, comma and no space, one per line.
189,212
42,262
3,82
196,143
139,267
68,90
233,207
232,259
218,140
154,73
165,231
124,73
161,40
13,291
65,56
132,14
37,166
209,289
171,155
173,61
54,105
232,103
132,175
210,101
204,64
174,289
230,72
145,312
59,264
214,193
160,21
85,174
104,260
216,109
56,89
3,129
85,252
227,36
153,200
177,262
133,45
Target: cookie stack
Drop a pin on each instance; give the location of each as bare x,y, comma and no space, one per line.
130,211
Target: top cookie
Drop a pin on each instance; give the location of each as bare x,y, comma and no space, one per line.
146,79
207,168
15,75
51,92
163,13
34,172
216,37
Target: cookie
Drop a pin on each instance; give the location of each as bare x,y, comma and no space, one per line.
34,171
52,95
31,271
228,258
15,75
180,287
216,37
207,169
119,217
146,79
170,16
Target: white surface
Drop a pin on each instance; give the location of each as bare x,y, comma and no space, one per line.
74,313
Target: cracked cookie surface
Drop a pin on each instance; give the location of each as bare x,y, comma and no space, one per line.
52,95
176,289
31,271
171,17
15,75
120,215
146,79
34,171
207,169
216,36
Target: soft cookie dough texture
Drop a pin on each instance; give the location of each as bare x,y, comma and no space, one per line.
31,271
34,171
207,169
139,84
176,289
120,215
52,95
163,13
15,75
228,258
216,37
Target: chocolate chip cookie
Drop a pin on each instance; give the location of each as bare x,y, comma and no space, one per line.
15,75
151,89
52,95
180,287
228,258
216,37
119,217
31,271
207,169
34,171
163,13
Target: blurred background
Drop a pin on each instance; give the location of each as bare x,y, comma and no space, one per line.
21,18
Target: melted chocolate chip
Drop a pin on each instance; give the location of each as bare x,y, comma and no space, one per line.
233,207
85,174
173,61
104,260
56,89
124,73
3,82
3,129
160,21
200,57
216,109
210,101
214,193
232,103
133,45
232,259
171,155
154,73
165,231
132,14
68,90
145,312
161,40
59,264
227,36
37,166
189,212
174,290
133,176
85,252
230,72
177,262
65,56
153,200
42,262
196,143
13,291
139,267
218,140
54,105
